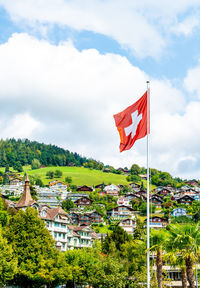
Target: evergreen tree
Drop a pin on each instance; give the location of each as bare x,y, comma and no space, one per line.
38,260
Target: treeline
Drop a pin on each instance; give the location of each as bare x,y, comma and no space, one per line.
23,152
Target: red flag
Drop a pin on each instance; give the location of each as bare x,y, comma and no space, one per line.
132,123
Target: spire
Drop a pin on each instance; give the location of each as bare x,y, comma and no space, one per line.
26,199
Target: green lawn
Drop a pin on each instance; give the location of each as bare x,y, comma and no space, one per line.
80,175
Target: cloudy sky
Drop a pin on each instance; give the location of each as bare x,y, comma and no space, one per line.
67,66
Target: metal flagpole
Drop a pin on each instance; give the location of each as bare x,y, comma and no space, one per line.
148,246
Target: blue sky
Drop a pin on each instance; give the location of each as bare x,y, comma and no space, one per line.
64,63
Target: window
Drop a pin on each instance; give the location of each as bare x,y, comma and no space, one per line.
55,234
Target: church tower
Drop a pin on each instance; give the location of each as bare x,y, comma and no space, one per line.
26,199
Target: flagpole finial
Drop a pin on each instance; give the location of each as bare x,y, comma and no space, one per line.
148,81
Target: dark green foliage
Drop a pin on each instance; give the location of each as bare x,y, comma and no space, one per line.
50,174
25,151
68,204
18,166
35,164
39,182
58,174
68,179
118,237
135,169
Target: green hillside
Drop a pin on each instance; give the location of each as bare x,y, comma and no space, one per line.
80,175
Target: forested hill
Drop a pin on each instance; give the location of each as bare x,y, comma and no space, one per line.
25,151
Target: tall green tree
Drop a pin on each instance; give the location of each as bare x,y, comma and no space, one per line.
8,262
38,259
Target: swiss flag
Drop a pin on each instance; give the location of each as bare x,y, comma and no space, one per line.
132,123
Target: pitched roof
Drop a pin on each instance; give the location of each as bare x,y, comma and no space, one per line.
26,198
53,212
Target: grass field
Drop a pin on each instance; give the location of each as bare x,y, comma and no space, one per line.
80,175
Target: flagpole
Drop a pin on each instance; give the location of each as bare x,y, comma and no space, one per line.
148,230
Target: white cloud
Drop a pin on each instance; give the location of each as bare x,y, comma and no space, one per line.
141,26
19,126
59,95
187,26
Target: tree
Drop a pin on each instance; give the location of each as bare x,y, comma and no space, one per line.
38,259
50,174
158,239
68,204
135,169
58,174
185,241
68,179
35,164
4,217
18,166
8,262
39,182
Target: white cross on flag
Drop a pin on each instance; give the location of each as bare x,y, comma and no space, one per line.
132,123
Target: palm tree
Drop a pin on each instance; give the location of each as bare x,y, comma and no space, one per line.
176,260
158,240
184,239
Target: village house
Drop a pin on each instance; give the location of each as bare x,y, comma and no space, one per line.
87,218
76,196
157,222
156,200
46,196
128,225
112,190
121,212
186,199
84,188
83,202
58,184
56,220
80,236
123,201
179,212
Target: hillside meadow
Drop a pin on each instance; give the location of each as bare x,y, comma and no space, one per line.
80,175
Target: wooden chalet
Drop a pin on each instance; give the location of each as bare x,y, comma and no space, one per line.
186,199
157,201
164,192
121,212
128,225
192,182
84,188
83,202
157,222
86,218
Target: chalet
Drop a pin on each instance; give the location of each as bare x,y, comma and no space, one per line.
76,196
58,184
179,212
16,181
134,196
143,176
123,201
186,199
84,188
157,201
134,185
99,186
128,225
80,236
56,220
120,212
83,202
157,222
124,171
26,199
164,192
112,190
86,218
192,182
